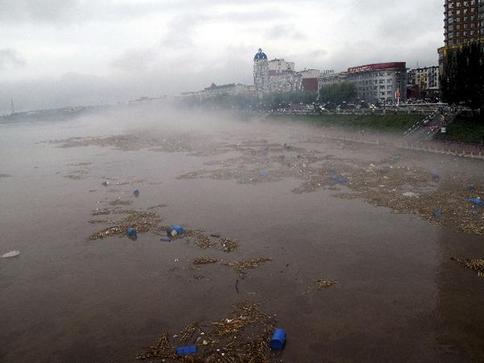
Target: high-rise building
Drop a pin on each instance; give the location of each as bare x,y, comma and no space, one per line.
481,18
462,21
463,27
463,24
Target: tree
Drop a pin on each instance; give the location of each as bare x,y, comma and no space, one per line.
338,92
462,80
275,100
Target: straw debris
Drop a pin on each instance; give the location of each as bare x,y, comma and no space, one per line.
200,239
204,261
242,266
141,221
474,264
204,241
319,285
118,202
229,245
324,284
385,183
241,337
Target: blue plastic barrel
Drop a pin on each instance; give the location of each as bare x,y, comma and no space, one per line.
278,340
476,201
175,229
186,350
132,233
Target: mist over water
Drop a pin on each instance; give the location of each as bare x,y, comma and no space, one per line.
319,208
198,175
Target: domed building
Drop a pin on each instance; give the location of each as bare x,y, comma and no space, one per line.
274,76
260,55
261,73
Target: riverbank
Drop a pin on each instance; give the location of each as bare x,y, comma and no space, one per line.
468,130
389,123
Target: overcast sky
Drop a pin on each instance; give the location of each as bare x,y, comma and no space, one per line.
68,52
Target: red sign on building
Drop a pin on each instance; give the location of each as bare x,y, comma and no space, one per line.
378,67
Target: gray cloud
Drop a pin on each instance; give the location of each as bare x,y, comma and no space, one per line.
64,11
284,31
135,60
181,30
153,47
405,25
45,11
10,58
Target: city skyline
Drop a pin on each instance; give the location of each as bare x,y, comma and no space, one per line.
123,49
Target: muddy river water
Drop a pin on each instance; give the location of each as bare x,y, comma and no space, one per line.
380,222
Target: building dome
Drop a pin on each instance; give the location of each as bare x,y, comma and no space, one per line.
260,55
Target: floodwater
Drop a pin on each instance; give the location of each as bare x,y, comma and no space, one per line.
66,298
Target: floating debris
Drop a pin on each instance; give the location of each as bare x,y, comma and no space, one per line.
278,340
101,212
204,261
11,254
175,230
186,350
200,239
176,142
157,206
229,245
74,176
339,179
242,266
132,233
403,188
244,336
320,284
477,201
324,284
118,202
410,195
82,163
162,350
98,221
437,213
141,221
474,264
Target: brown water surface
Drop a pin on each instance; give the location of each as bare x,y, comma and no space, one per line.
398,295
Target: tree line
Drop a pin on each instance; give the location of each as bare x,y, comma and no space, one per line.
334,94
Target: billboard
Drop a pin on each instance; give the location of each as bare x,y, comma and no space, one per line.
378,67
